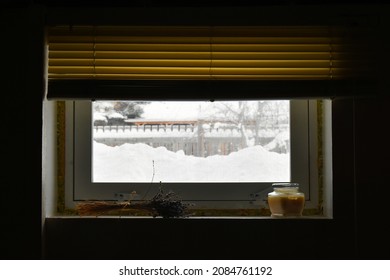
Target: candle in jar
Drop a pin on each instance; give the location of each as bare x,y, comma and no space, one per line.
286,200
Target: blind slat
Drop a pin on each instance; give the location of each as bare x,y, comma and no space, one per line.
187,40
191,63
192,47
188,70
196,55
188,77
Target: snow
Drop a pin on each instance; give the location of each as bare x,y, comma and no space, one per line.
115,115
149,132
138,162
174,131
99,117
280,141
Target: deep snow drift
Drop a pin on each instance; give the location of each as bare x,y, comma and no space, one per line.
142,163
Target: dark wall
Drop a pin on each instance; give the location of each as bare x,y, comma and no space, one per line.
360,167
22,86
372,173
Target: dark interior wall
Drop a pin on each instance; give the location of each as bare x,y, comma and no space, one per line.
372,172
360,172
22,87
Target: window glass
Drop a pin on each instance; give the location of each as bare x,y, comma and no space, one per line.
226,141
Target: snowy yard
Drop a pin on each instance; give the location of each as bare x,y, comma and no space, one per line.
133,160
137,162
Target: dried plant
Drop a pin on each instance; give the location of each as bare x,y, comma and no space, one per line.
96,208
168,205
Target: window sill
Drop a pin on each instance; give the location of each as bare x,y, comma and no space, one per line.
313,217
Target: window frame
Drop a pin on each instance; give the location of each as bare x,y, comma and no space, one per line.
219,195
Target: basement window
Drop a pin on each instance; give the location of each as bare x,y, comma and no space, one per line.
190,142
219,157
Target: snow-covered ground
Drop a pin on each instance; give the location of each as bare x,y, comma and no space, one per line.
138,163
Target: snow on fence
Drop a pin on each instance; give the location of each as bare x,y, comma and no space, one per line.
193,139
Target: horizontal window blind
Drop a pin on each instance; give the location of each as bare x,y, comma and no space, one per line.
193,53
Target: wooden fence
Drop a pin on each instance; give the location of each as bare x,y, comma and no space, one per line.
193,139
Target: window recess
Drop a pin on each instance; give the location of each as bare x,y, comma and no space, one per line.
239,194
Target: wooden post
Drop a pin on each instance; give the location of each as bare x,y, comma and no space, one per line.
200,150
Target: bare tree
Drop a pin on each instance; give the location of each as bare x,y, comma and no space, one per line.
239,114
254,116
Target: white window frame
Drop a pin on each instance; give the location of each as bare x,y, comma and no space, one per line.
78,167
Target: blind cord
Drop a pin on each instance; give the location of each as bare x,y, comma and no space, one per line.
94,51
330,53
211,52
